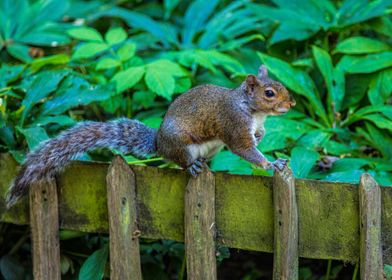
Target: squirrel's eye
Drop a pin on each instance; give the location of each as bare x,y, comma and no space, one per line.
269,93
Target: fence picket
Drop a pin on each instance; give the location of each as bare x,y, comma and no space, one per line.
371,263
44,222
200,227
124,233
285,226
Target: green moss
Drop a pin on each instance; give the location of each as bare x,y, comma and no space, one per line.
328,212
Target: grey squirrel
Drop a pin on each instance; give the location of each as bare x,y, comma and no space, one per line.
196,126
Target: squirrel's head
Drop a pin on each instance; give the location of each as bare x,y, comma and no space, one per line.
267,95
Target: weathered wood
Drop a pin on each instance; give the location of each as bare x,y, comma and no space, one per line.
285,227
200,227
44,222
371,263
328,211
123,229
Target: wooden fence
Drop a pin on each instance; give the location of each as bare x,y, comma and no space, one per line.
301,218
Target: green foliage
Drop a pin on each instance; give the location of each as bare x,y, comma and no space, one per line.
94,266
24,23
103,60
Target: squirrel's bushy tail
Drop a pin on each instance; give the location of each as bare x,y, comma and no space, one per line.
128,136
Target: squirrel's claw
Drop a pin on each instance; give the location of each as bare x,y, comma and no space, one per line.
196,167
277,165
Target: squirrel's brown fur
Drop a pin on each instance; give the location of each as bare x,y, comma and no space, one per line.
196,126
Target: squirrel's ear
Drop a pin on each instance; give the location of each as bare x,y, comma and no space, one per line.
263,72
251,83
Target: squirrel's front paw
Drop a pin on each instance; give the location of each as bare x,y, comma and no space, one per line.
277,165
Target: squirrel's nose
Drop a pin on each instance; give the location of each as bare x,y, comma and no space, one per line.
292,101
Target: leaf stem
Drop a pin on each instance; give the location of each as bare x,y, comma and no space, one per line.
145,160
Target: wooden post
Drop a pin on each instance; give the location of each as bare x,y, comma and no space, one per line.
371,263
123,230
285,226
44,222
200,227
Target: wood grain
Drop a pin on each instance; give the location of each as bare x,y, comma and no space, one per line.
123,229
44,223
371,263
200,227
285,226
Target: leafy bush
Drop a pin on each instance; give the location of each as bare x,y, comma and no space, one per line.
65,61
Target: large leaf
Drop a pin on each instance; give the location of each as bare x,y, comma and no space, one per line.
85,34
115,36
89,50
94,267
380,88
74,91
302,161
355,11
334,78
360,45
163,31
227,161
296,80
43,84
34,136
195,17
128,78
365,64
161,83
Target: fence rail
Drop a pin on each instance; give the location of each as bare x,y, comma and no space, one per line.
329,220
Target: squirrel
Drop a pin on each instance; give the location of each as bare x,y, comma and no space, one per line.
196,126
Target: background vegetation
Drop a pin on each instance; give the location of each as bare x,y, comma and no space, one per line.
67,61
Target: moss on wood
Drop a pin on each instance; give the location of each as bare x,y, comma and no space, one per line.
328,212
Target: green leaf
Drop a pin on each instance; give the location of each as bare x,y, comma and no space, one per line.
115,36
355,11
348,164
379,121
388,271
302,161
89,50
360,45
144,98
296,80
43,84
182,85
314,139
351,176
74,91
107,63
70,234
162,83
34,135
227,161
128,78
61,120
94,267
57,59
169,67
380,87
154,122
20,52
380,140
85,34
127,51
334,78
365,64
195,17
